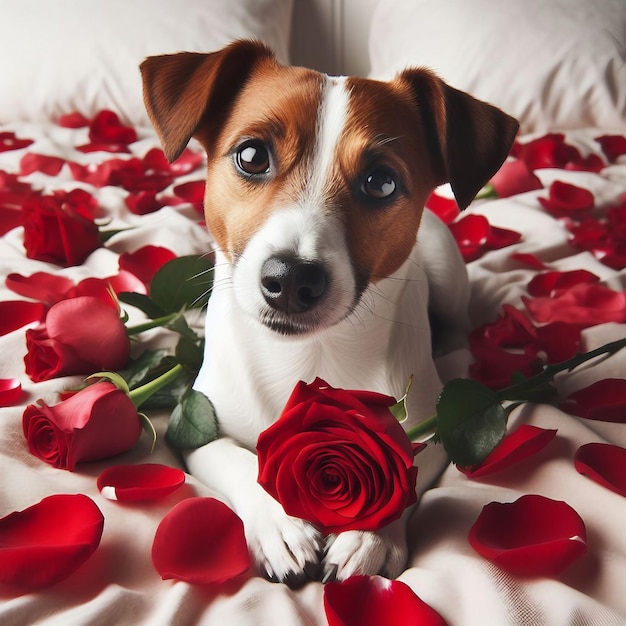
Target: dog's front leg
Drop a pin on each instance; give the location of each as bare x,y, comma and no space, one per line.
286,549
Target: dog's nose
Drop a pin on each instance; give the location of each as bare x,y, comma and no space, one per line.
292,285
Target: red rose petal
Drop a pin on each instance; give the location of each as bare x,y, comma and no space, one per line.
31,162
48,541
10,391
604,400
192,191
446,209
106,128
613,146
15,314
187,162
42,286
533,536
374,600
603,463
529,260
145,262
9,219
547,283
200,541
558,340
501,238
73,120
514,448
125,281
149,481
103,147
565,199
143,202
9,141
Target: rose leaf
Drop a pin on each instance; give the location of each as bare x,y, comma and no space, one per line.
471,421
192,423
184,282
142,302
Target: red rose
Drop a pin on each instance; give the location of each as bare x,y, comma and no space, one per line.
95,423
338,459
80,335
59,229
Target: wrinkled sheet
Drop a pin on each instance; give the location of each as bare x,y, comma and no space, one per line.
118,585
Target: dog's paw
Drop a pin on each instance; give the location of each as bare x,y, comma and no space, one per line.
363,552
286,549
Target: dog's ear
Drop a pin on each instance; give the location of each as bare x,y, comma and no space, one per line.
469,139
187,90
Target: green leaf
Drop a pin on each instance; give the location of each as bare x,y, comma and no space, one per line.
140,368
184,282
142,302
190,352
471,421
105,235
192,422
172,393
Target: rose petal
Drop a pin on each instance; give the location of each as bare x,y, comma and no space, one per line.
565,199
106,128
187,162
374,600
501,238
558,340
149,481
200,541
145,262
446,209
547,283
529,260
192,191
10,391
525,441
533,536
586,304
73,120
613,146
42,286
603,463
9,219
15,314
143,202
48,541
495,367
604,400
32,162
9,141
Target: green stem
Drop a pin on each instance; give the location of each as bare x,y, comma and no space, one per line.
155,323
517,391
423,428
141,394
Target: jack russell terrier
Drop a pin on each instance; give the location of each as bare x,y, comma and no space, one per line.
315,192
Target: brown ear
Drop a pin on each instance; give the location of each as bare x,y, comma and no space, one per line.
182,91
468,138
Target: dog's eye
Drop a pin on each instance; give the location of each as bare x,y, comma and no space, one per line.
253,158
379,184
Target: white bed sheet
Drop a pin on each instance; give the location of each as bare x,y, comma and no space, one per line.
118,585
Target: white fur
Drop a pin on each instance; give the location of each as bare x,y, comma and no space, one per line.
249,371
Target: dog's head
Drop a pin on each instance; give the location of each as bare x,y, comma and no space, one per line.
316,185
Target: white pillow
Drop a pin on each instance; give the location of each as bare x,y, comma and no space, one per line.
553,64
60,56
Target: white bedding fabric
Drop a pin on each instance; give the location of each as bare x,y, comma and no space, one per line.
119,585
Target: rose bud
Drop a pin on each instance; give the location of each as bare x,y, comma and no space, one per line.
79,336
95,423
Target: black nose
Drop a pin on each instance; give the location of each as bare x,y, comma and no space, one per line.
292,285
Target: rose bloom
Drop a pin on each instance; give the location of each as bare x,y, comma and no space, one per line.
79,336
98,422
58,229
338,459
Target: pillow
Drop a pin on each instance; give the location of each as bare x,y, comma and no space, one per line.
60,56
555,65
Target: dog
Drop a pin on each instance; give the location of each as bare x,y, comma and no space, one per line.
327,263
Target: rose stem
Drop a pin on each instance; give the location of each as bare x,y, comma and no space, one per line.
154,323
140,394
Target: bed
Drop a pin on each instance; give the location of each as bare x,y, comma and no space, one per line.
71,116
